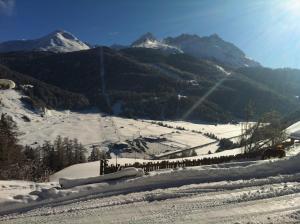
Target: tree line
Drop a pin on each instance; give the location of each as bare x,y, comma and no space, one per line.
27,163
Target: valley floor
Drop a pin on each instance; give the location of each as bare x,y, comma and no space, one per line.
92,128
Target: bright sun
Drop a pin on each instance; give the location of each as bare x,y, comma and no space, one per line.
293,6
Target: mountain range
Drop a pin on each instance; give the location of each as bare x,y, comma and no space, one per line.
210,48
152,79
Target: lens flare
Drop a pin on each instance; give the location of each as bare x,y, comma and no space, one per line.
203,98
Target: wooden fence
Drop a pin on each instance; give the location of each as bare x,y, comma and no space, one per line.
152,166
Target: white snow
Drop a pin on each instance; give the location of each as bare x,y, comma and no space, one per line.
124,173
155,44
149,41
12,191
265,191
57,41
91,169
92,128
223,70
294,130
226,193
61,41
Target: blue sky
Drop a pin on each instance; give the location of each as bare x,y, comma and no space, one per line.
266,30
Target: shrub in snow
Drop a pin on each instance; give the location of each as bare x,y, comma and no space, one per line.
7,84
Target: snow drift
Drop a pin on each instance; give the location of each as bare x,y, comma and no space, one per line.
125,173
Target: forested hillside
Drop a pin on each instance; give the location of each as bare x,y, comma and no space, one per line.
147,83
43,94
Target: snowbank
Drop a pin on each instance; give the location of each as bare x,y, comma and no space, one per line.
268,171
125,173
91,169
201,174
294,130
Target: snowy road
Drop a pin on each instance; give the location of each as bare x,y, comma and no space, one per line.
219,202
241,192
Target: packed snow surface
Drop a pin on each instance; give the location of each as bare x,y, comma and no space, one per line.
240,192
127,172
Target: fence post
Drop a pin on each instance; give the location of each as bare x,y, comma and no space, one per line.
101,167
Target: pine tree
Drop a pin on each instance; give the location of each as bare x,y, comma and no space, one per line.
49,156
95,154
79,152
69,152
60,152
10,151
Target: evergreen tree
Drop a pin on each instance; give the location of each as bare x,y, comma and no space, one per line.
79,151
10,151
69,152
95,154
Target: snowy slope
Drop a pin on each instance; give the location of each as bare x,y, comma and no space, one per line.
294,130
57,41
239,192
92,128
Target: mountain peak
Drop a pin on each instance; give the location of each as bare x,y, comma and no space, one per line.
148,40
56,41
212,47
215,36
144,38
62,34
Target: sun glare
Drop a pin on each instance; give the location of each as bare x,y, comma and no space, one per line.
293,6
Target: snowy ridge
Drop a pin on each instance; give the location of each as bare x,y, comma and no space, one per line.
57,41
149,41
212,48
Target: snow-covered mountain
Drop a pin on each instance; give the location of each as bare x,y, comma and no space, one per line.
57,41
149,41
213,48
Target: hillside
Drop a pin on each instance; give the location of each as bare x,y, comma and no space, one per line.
93,128
42,94
147,83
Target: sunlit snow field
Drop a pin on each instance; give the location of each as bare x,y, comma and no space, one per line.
238,192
